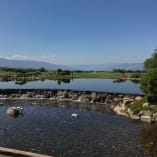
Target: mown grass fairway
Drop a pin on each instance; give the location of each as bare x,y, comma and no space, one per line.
107,75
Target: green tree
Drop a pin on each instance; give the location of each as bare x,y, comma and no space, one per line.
59,70
42,69
151,62
149,79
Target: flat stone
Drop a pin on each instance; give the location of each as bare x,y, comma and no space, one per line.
138,98
147,113
134,117
146,119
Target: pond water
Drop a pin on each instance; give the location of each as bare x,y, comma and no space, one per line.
106,85
51,130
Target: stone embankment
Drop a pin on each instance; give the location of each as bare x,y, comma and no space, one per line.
116,102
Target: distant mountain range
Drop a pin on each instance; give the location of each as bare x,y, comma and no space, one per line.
25,64
108,66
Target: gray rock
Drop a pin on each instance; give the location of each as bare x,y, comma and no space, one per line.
59,97
30,94
23,96
130,112
38,96
146,119
117,99
80,98
120,96
13,95
98,98
155,119
74,96
155,114
140,113
65,94
147,113
108,101
138,98
59,93
109,97
146,104
93,95
102,100
5,96
134,117
104,96
14,111
85,100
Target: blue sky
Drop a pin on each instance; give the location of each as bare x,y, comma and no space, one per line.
78,31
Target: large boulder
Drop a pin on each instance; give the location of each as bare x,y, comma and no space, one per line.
146,119
13,111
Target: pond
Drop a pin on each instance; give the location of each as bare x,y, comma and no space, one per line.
105,85
51,130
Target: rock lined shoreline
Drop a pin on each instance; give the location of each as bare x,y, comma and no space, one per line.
116,102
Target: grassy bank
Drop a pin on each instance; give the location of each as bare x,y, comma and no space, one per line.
13,74
105,75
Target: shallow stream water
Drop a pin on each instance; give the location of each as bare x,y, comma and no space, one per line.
51,130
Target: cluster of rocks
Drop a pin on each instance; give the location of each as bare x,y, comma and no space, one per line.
81,96
115,101
144,115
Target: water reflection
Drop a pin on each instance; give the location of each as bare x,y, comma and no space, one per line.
118,81
125,80
59,81
15,115
21,82
148,139
106,85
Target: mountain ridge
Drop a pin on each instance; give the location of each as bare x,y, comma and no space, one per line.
27,64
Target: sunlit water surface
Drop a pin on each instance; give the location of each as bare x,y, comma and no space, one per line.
52,130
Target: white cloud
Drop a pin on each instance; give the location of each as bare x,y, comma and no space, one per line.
46,58
15,56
